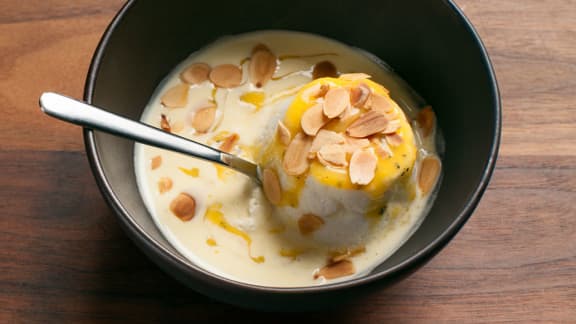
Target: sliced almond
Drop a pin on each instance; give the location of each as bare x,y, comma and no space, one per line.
333,155
156,162
226,76
283,133
313,119
195,73
203,119
354,144
164,123
429,171
325,137
426,119
271,186
183,206
354,76
381,104
262,65
336,101
176,97
362,167
315,91
348,253
392,126
229,143
309,223
324,69
336,270
295,160
393,139
381,148
359,94
164,185
368,124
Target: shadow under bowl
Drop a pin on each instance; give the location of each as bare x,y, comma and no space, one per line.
430,44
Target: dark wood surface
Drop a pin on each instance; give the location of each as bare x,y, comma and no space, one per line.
63,257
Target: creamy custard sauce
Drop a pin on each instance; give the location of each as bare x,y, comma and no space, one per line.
233,230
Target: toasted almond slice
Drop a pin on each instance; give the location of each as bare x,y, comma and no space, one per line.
354,144
335,102
348,253
336,270
183,206
354,76
164,185
393,139
313,119
229,143
368,124
333,155
381,147
164,123
429,171
392,126
362,167
309,223
195,73
295,160
156,162
324,69
262,65
271,186
203,119
283,133
325,137
426,119
315,91
359,94
381,104
176,97
226,76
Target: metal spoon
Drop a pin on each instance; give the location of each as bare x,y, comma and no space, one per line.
83,114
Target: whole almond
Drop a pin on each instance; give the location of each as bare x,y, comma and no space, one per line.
262,65
309,223
426,120
183,206
195,73
362,167
271,186
368,124
336,101
313,119
336,270
176,97
324,69
295,160
203,119
429,171
226,76
333,155
283,133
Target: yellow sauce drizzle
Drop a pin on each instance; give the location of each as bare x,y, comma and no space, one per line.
222,172
211,242
255,98
193,172
214,215
290,253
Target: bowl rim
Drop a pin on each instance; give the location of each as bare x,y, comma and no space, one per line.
179,261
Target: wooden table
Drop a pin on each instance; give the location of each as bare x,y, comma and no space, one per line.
63,256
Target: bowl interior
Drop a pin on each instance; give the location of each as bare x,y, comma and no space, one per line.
426,42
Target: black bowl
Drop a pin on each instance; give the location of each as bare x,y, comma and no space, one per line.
429,43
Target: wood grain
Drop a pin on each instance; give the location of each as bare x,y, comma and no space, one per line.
63,257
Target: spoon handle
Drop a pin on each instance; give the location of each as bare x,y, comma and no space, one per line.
80,113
